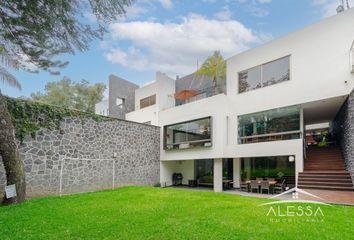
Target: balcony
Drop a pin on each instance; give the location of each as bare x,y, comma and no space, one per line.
195,95
190,134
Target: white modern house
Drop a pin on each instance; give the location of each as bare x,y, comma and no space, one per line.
274,95
152,99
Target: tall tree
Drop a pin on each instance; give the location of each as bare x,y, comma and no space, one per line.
214,67
15,173
69,94
32,33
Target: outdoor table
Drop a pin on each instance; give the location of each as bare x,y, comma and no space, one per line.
226,183
271,183
259,182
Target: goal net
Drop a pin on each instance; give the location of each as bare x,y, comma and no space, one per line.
85,175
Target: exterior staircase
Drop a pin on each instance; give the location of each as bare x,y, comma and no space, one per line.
324,169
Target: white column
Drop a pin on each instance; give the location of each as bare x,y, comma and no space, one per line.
237,172
218,175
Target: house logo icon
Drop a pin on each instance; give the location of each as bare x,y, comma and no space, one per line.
296,195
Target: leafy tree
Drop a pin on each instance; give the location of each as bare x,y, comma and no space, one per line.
5,76
69,94
214,67
8,147
35,31
32,33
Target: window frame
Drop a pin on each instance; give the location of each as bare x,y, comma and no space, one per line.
184,122
261,80
240,138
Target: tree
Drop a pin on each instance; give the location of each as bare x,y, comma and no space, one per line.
15,173
33,33
69,94
214,67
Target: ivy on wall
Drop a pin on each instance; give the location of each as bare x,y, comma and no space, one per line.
28,117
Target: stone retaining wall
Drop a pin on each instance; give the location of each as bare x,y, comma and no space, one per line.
82,152
343,127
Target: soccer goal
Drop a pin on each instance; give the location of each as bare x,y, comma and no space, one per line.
79,175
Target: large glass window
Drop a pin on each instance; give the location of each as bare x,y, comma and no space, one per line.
264,75
279,167
204,167
272,125
196,133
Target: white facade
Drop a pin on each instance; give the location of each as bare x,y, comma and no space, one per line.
320,80
164,88
102,107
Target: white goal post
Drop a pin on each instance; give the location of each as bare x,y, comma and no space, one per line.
62,160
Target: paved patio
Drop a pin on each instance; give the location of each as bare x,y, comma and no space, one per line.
335,197
332,197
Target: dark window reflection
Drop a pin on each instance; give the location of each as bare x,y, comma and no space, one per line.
272,125
264,75
196,133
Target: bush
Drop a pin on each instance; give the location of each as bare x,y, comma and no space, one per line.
157,184
323,143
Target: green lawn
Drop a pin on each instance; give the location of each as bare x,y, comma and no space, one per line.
153,213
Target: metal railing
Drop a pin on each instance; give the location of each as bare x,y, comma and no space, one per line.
270,137
204,93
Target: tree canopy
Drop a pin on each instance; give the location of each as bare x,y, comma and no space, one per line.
214,67
69,94
34,32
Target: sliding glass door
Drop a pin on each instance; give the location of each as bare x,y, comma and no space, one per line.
261,167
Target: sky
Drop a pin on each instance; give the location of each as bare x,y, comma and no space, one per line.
174,36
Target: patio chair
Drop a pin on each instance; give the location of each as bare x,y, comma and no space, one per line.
265,186
254,185
259,179
244,186
279,186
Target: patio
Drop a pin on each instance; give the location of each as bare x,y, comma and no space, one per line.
331,197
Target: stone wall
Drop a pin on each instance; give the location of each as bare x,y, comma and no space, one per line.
89,155
343,128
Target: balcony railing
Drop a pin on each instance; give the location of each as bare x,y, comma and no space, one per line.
270,137
189,144
203,93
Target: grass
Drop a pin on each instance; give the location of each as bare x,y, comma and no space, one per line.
154,213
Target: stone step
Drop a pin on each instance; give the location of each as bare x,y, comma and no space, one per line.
315,183
325,179
333,188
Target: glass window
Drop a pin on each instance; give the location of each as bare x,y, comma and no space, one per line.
196,133
204,167
264,75
250,79
263,167
272,125
276,72
148,101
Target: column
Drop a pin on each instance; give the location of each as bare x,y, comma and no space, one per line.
218,175
237,172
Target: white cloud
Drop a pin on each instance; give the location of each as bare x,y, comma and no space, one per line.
328,7
264,1
168,4
174,48
135,11
209,1
224,14
254,8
